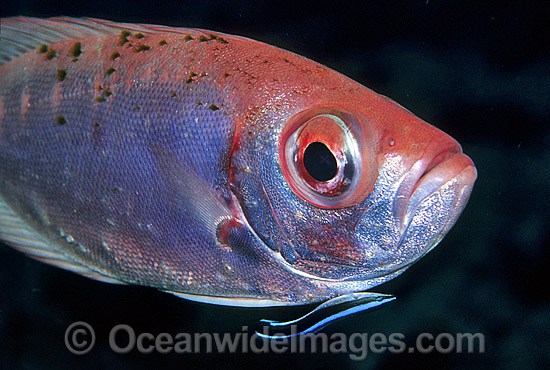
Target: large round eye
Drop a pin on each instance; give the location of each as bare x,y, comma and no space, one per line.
325,161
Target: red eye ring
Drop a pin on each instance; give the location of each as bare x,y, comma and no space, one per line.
342,137
328,131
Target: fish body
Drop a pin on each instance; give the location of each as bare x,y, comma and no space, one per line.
181,159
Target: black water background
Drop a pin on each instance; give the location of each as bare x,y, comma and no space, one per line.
479,71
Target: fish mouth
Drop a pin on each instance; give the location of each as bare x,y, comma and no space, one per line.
438,167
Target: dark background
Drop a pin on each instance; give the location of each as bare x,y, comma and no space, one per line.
479,71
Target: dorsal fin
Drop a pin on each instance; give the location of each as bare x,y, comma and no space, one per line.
18,35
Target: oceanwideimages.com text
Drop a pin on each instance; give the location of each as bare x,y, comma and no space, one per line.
80,339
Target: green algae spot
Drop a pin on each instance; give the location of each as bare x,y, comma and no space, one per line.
218,38
60,119
142,47
43,48
139,35
110,71
212,37
191,76
105,93
115,55
213,107
76,49
61,74
123,38
162,42
136,107
51,54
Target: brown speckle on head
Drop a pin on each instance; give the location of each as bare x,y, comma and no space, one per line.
61,74
222,40
192,75
110,71
173,94
100,99
76,49
115,55
42,48
139,35
213,107
50,54
123,38
107,92
203,38
141,47
136,107
187,38
60,119
162,42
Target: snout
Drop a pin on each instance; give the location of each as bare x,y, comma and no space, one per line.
439,166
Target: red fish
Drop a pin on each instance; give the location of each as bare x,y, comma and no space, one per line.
213,166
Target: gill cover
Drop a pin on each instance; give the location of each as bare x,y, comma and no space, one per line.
308,217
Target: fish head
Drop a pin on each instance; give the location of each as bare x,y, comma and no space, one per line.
347,185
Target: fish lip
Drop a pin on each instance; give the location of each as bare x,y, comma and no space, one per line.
427,175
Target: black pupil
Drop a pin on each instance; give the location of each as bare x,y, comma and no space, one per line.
320,162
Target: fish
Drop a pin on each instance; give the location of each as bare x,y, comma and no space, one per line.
214,167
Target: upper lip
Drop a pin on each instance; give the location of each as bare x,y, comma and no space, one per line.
438,165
